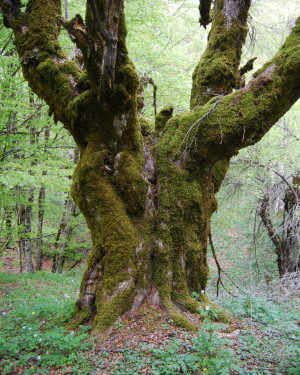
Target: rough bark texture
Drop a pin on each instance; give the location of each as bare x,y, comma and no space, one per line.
148,200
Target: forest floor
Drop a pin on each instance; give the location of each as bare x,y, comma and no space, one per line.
261,339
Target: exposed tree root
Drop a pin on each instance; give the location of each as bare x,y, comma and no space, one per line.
179,312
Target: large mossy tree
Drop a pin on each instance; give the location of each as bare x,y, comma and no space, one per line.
148,196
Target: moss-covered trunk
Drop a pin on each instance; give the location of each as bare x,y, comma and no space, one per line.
149,218
148,199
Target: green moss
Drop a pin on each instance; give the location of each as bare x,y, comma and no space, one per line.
41,30
83,315
130,78
44,64
189,304
129,181
219,172
162,117
78,104
205,12
83,82
146,125
218,70
181,321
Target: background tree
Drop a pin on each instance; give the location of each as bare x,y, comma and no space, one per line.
35,163
269,171
148,202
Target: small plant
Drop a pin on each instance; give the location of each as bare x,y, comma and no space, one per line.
31,334
205,353
118,325
196,296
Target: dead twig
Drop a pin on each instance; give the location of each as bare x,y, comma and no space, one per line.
196,124
220,268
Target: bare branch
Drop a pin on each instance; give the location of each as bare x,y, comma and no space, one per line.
103,33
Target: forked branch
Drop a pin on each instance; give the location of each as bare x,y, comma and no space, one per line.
109,39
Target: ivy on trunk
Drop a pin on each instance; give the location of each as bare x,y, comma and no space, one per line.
148,199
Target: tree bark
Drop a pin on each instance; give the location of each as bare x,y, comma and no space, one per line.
65,233
8,226
148,201
285,237
27,232
41,209
24,214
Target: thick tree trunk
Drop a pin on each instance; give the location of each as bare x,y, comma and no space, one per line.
148,202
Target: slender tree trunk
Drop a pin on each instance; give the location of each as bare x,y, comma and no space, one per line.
286,237
24,214
27,232
41,209
57,243
67,9
65,228
41,203
20,209
64,235
8,226
67,233
70,210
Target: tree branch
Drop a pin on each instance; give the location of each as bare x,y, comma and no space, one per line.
105,16
100,27
218,69
78,35
205,12
11,10
45,66
266,219
247,114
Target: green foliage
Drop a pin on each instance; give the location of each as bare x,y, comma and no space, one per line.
167,51
269,331
32,336
204,353
34,151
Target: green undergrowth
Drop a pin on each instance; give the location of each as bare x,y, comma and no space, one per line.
202,354
34,309
33,340
268,312
270,332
